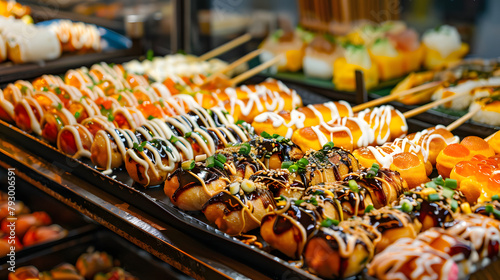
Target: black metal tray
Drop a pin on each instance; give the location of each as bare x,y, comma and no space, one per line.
75,223
134,260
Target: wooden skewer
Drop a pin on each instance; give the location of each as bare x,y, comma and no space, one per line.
238,79
232,66
226,47
431,105
463,119
489,137
395,96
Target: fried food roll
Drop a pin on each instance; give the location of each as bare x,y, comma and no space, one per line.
191,189
75,140
28,115
392,224
94,124
432,141
449,157
412,259
386,122
53,121
280,182
26,221
128,118
459,250
110,146
240,207
274,151
36,235
150,162
328,165
25,273
93,262
288,228
115,273
64,271
341,251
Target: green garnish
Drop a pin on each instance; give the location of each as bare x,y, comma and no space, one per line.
120,97
298,202
266,135
448,193
329,222
244,149
406,206
373,171
302,163
111,118
282,197
187,135
140,147
59,106
313,201
286,164
239,122
431,184
439,180
77,114
293,168
210,162
369,208
140,101
434,197
222,158
495,197
150,117
45,89
173,139
280,138
188,165
24,89
328,146
66,96
57,90
450,183
454,205
150,55
353,186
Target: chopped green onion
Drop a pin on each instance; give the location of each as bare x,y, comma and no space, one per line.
210,162
244,149
369,208
218,164
280,138
45,89
188,134
439,180
222,158
353,186
150,55
328,146
408,193
120,97
57,90
302,163
373,171
66,96
495,197
406,206
454,205
298,202
489,208
450,183
448,193
329,222
77,114
111,118
293,168
266,135
239,122
286,164
313,201
150,117
434,197
188,165
59,106
431,184
24,89
173,139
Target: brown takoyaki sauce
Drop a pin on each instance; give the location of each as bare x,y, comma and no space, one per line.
441,216
385,221
341,161
276,180
201,122
265,148
187,180
238,201
218,142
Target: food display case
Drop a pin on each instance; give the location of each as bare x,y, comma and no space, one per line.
255,139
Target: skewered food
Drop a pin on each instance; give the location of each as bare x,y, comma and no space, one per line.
319,56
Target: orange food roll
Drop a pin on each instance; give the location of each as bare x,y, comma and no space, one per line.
75,140
28,114
411,169
53,121
128,118
449,157
386,122
477,145
433,140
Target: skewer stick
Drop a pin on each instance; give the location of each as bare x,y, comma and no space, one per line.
463,119
395,96
232,66
226,47
431,105
238,79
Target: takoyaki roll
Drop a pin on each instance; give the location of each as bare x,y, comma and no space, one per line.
78,78
322,202
449,157
411,168
432,204
149,163
273,151
13,93
93,262
107,105
115,273
325,112
190,187
356,58
289,43
383,187
94,124
83,109
26,221
18,209
328,165
443,47
280,182
392,224
319,56
110,146
432,141
6,109
386,122
128,118
282,123
36,235
482,232
53,121
460,250
341,251
75,140
240,207
45,82
28,114
477,146
64,271
288,228
25,273
412,259
47,100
